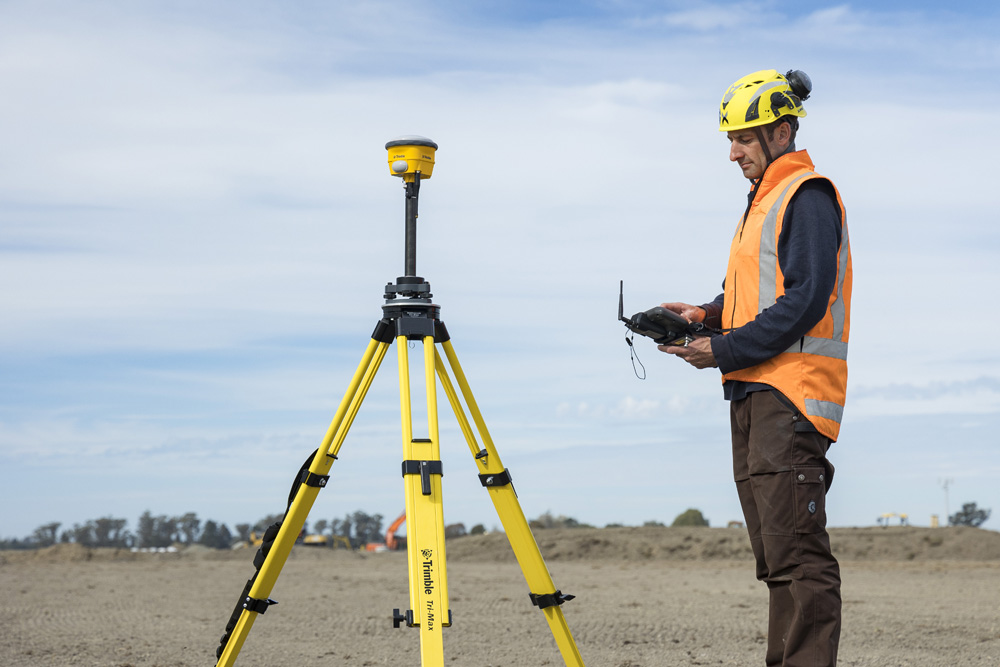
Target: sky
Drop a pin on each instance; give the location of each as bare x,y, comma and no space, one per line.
197,222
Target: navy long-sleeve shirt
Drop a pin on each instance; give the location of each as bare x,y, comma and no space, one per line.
807,253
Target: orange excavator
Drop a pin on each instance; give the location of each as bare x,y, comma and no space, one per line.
392,543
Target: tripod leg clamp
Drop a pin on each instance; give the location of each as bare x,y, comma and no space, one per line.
495,479
398,619
425,469
550,599
312,479
259,606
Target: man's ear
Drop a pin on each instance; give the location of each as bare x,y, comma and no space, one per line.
783,135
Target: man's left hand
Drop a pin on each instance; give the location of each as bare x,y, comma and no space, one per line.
698,352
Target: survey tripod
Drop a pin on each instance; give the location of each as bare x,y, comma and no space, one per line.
409,315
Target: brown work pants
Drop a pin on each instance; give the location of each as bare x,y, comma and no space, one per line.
782,475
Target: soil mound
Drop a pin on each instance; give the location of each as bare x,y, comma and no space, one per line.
706,544
64,553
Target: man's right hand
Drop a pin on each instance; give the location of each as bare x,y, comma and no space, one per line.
687,311
698,352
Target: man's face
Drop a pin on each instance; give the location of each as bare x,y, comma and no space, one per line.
746,151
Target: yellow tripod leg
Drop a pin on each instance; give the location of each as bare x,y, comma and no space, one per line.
424,513
295,518
497,481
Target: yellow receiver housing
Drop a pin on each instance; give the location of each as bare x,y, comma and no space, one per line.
411,154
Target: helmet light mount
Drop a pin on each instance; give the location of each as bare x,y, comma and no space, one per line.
800,83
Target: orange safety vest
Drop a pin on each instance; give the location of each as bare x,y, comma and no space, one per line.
813,372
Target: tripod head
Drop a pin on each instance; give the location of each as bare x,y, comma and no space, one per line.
411,157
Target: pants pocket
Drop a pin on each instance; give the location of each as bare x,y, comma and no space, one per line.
810,498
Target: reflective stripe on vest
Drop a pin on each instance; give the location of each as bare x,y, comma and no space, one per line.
823,347
768,279
825,409
768,255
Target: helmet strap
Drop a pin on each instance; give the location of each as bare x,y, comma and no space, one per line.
763,144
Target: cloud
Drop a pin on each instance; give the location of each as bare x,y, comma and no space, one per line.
704,17
933,390
631,408
968,397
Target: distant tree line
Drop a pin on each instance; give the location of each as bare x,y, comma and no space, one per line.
546,521
151,532
360,528
971,515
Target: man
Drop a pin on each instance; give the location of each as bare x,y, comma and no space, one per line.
785,313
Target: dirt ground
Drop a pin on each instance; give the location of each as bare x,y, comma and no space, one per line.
645,597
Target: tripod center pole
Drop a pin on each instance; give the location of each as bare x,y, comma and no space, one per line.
412,158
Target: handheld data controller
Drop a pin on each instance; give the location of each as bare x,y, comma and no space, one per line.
664,326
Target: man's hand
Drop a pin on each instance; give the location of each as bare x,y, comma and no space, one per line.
686,310
698,352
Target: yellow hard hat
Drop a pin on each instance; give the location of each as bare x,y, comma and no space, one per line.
763,97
